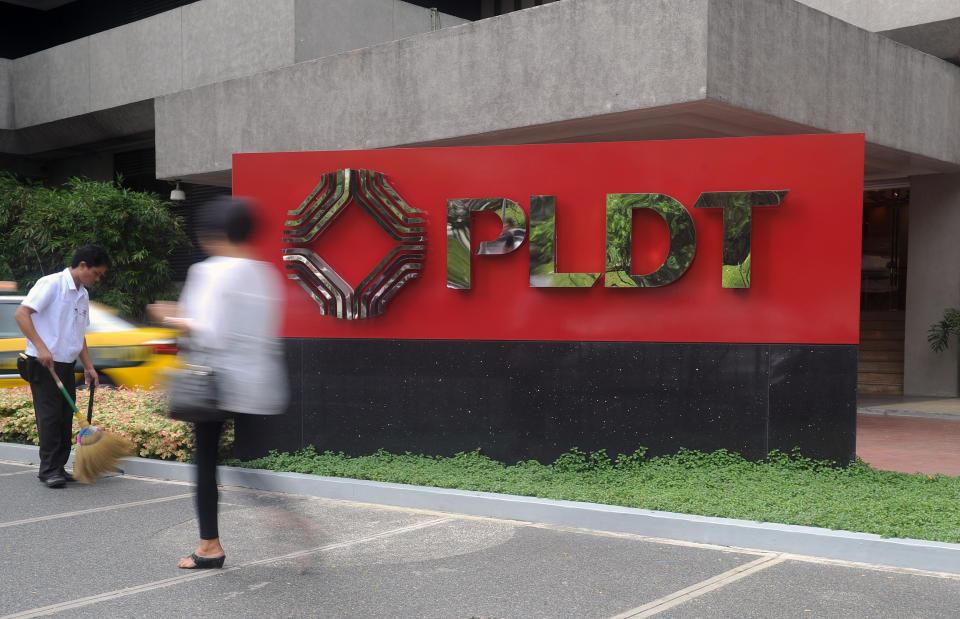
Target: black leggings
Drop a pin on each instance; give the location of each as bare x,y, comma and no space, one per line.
207,435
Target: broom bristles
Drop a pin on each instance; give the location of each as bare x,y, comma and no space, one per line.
97,451
98,454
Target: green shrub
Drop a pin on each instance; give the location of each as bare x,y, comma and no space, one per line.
41,227
135,414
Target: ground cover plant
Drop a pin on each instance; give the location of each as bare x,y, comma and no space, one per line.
785,488
138,415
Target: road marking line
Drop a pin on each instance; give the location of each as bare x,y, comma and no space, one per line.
199,574
17,473
684,595
28,465
94,510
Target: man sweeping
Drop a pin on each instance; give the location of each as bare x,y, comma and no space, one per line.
54,318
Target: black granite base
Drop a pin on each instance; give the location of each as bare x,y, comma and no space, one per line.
523,400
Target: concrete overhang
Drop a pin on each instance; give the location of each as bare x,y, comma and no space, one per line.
586,70
111,129
88,94
940,39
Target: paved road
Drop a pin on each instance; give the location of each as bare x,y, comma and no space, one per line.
110,550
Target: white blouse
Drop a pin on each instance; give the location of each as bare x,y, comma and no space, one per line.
235,308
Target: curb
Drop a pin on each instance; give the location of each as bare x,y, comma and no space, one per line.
773,537
898,412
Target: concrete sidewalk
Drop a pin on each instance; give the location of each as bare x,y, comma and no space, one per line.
299,545
909,434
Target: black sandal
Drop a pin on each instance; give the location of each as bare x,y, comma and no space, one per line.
205,563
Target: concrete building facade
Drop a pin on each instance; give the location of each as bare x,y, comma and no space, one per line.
206,79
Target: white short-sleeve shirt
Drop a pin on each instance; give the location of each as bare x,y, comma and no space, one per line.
61,315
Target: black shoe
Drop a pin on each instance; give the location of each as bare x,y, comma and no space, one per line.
54,481
67,476
205,563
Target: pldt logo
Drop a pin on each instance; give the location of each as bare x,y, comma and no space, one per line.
332,195
737,209
337,190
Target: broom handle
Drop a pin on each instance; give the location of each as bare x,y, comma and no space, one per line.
63,390
91,388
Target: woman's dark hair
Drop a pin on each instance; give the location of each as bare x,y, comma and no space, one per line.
93,255
225,215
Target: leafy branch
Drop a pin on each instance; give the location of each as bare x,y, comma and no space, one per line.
940,332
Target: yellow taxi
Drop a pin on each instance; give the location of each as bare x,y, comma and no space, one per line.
124,354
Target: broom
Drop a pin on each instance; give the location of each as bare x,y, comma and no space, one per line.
97,451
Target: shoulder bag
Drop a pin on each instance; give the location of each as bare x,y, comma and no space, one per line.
194,390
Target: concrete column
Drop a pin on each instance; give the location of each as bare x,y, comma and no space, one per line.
933,283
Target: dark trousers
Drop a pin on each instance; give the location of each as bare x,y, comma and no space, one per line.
207,436
54,417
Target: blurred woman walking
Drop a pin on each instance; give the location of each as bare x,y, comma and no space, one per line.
230,313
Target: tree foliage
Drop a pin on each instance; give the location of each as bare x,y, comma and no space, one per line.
41,227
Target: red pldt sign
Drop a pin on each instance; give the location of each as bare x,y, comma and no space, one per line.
338,214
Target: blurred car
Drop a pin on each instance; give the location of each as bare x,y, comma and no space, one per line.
123,353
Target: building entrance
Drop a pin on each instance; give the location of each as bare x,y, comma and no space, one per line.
883,291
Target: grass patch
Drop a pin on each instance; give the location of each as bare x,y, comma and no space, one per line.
783,488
